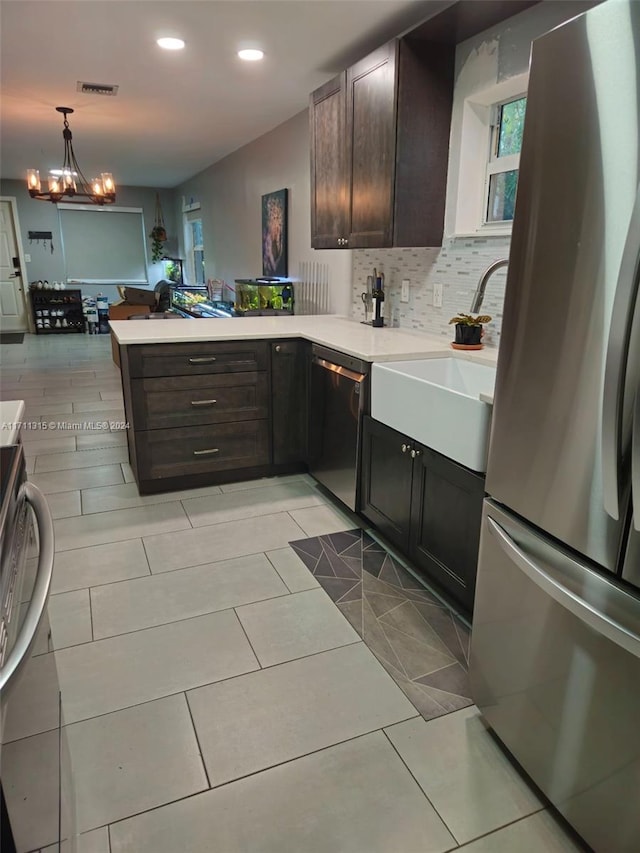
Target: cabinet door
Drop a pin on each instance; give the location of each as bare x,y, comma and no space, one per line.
386,481
329,180
371,138
289,371
445,523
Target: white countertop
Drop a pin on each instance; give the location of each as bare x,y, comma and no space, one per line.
332,331
11,417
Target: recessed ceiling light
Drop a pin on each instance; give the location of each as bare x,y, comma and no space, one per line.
170,43
250,54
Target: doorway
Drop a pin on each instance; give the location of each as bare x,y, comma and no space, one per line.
13,310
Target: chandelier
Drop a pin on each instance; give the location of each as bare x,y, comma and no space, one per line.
69,180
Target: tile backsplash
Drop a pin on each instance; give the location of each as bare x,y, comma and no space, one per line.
457,266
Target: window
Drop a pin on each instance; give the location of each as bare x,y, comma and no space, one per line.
103,245
504,160
486,137
194,247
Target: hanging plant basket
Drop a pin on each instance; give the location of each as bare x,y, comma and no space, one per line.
158,233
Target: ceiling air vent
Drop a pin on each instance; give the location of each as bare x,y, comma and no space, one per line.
97,88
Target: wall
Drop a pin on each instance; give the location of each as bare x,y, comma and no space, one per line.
486,60
230,196
43,216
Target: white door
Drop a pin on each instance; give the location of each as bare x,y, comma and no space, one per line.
13,316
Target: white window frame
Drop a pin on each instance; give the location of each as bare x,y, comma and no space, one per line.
471,165
496,165
188,218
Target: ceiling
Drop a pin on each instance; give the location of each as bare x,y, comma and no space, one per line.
176,112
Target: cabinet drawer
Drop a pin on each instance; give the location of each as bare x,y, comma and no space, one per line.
201,450
205,400
192,359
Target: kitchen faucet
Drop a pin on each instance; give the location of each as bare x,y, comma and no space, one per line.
482,284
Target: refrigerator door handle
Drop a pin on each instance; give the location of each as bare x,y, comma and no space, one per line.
553,587
635,463
24,641
613,403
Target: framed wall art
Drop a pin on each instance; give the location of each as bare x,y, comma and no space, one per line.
274,234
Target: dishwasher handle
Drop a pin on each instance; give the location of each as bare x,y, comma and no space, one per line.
19,653
337,368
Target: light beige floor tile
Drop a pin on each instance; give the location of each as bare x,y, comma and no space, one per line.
320,520
73,394
38,411
55,442
115,394
64,504
539,833
96,841
34,700
264,482
133,760
80,478
251,723
250,503
473,786
127,496
167,597
80,459
102,528
70,618
97,408
353,798
300,624
224,541
100,564
292,570
102,439
122,671
127,473
32,765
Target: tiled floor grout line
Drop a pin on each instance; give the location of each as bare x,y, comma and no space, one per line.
195,734
93,636
181,619
423,792
256,773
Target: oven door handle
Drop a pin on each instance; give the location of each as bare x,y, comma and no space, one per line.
20,652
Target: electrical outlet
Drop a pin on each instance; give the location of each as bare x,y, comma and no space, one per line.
404,293
437,295
27,258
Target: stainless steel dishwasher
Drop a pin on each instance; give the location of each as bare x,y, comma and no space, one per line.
339,396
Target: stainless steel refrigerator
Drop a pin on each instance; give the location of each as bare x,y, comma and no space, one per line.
555,657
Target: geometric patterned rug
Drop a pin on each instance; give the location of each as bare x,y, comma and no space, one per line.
421,642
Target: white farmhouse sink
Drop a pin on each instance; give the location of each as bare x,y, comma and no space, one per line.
438,403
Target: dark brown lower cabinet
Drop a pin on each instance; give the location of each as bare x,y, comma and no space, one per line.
289,383
427,505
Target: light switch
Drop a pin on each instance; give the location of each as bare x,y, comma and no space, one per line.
27,258
437,295
404,293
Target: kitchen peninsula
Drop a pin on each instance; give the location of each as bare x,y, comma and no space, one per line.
215,401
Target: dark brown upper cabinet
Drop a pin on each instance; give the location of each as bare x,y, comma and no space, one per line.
379,149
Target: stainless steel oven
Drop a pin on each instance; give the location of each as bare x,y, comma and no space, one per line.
35,769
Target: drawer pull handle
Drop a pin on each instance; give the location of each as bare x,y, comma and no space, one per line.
203,402
202,360
208,452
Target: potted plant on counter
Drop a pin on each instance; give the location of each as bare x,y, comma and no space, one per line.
469,330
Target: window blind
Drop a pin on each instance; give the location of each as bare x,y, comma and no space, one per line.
103,245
